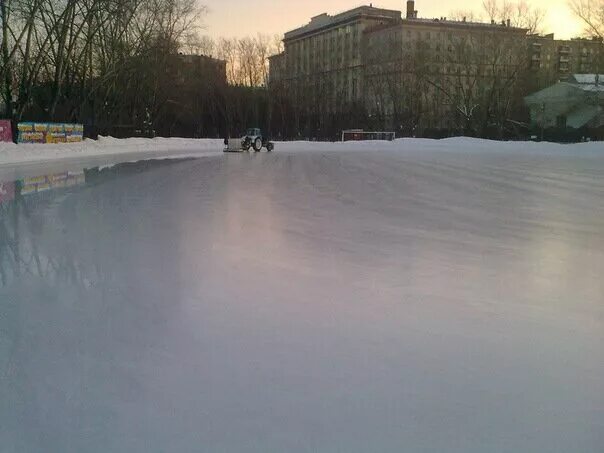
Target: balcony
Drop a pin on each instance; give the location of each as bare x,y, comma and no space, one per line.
564,49
564,59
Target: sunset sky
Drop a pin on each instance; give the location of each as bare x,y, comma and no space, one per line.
235,18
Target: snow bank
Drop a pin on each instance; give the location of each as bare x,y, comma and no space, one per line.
110,147
455,144
158,148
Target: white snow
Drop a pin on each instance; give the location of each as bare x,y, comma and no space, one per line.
416,296
109,147
141,149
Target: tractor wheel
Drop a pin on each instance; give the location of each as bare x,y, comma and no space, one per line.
258,144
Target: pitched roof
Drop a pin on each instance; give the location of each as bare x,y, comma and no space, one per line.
582,115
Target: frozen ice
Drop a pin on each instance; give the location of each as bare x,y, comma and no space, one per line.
438,298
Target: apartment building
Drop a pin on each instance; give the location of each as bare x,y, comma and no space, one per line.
553,60
403,67
323,58
438,64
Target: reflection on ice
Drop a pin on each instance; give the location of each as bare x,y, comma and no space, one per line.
387,302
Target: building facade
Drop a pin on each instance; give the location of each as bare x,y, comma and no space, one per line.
434,73
409,73
553,60
322,60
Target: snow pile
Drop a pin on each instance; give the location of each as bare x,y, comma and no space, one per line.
108,146
459,144
159,148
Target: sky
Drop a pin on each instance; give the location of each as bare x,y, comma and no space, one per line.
236,18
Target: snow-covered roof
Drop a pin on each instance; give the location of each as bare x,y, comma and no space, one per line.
559,92
591,88
582,115
564,91
466,24
588,79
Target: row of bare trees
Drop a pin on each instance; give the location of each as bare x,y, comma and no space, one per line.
120,65
65,59
110,63
246,58
474,86
520,13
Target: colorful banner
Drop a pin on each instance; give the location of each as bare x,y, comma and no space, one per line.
39,184
6,131
50,133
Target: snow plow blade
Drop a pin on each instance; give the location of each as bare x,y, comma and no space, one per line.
233,145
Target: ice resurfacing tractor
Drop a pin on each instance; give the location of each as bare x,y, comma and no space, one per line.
253,139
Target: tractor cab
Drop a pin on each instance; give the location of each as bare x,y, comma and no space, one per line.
253,132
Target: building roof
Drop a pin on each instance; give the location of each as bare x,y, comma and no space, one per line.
324,20
588,79
566,91
465,24
557,92
582,115
277,55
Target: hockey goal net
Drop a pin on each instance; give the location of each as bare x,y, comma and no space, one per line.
359,134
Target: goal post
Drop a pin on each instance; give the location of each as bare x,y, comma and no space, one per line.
360,135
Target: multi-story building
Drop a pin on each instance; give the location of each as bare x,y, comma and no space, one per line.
427,73
323,58
553,60
184,68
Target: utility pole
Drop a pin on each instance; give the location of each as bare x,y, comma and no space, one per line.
542,121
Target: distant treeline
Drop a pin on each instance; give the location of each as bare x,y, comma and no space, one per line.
118,67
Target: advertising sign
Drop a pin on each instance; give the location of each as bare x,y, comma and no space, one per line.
74,132
6,131
31,132
50,133
43,183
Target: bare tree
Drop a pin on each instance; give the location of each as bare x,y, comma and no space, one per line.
520,13
465,14
591,13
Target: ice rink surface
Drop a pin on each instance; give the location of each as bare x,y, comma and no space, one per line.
388,301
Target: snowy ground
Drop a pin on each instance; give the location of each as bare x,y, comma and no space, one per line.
109,150
418,296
